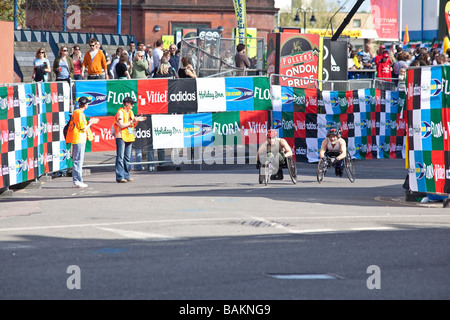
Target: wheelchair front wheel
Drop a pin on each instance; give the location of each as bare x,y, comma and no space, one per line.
321,170
292,169
349,168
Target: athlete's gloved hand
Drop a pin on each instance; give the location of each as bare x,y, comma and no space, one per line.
258,164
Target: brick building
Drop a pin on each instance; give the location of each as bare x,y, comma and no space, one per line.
171,16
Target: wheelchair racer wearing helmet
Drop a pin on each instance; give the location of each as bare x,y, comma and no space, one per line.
335,148
274,147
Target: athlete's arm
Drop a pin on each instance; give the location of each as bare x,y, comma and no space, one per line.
323,148
343,149
287,149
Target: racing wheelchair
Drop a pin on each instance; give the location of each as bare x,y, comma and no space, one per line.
327,162
268,169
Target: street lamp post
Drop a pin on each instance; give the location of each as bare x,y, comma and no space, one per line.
312,20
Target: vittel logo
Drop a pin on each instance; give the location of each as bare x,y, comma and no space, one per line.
183,96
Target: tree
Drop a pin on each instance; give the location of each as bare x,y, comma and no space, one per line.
322,9
42,14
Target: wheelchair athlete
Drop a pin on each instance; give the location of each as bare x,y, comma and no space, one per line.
334,148
274,147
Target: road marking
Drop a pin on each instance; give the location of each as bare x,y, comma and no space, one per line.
277,218
138,235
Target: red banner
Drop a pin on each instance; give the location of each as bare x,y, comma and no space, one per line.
385,18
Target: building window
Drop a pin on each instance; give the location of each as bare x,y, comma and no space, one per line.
356,23
177,26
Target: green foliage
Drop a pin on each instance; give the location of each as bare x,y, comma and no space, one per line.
323,11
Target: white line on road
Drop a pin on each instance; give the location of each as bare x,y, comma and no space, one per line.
277,218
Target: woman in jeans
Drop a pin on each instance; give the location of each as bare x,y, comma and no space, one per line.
77,134
124,124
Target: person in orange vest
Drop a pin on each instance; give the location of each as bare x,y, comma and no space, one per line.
124,124
78,132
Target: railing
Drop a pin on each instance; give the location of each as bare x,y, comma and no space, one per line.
346,85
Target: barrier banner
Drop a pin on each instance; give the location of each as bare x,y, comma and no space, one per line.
32,117
428,129
369,120
176,96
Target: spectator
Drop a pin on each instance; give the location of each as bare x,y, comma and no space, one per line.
384,69
402,62
357,60
115,60
132,50
95,61
425,59
228,58
402,79
140,66
63,65
77,60
149,51
381,51
367,57
123,66
41,66
79,131
186,71
165,70
124,124
241,59
158,52
174,58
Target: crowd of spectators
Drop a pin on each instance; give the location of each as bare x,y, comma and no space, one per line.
390,64
138,61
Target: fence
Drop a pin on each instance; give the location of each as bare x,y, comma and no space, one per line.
215,57
345,85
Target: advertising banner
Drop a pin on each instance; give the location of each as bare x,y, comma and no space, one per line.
369,120
32,117
385,19
428,129
241,17
300,56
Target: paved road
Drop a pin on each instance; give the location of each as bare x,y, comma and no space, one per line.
217,234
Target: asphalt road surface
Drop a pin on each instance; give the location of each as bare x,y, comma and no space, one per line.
217,234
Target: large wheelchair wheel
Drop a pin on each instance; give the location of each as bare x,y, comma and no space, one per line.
267,172
321,170
349,168
292,169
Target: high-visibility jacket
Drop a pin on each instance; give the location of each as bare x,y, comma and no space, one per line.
126,134
78,130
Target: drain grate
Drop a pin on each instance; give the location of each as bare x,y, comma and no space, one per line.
304,276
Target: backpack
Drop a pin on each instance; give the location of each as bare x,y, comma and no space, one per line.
40,73
66,127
